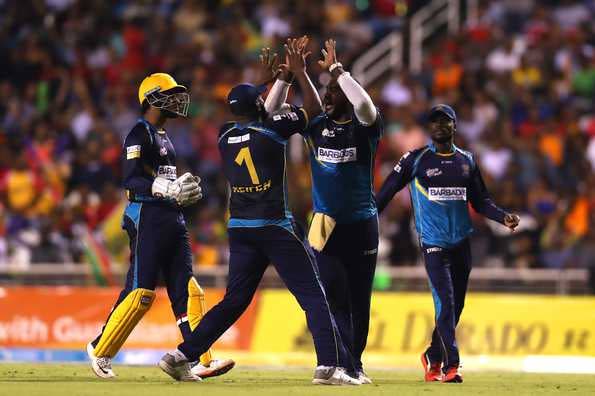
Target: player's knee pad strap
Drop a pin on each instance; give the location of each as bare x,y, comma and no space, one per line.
123,320
195,310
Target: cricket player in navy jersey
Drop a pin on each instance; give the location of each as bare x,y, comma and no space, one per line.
155,225
344,230
261,228
442,180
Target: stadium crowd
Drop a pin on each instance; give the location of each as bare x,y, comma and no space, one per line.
521,77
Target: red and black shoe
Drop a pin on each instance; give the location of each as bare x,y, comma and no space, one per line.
432,371
453,375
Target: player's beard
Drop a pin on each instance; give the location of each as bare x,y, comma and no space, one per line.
443,138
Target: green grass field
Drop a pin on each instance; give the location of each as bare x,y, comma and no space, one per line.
64,379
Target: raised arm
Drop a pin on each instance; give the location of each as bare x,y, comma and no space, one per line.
268,72
296,55
277,98
364,108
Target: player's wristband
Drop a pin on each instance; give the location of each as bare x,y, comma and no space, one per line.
334,66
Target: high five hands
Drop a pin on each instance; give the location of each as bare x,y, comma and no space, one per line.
295,55
269,70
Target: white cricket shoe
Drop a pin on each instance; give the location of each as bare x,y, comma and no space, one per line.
329,375
363,378
101,366
178,369
215,368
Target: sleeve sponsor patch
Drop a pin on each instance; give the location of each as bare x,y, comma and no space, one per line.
291,115
133,151
238,139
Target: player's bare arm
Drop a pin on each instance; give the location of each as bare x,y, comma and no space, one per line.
296,55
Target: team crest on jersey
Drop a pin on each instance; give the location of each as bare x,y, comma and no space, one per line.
447,193
163,151
348,154
466,169
328,133
433,172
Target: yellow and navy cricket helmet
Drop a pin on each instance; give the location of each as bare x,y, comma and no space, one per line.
160,90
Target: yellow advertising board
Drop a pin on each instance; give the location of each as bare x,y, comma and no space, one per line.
401,324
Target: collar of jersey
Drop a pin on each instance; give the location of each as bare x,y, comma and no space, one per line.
341,122
144,121
435,151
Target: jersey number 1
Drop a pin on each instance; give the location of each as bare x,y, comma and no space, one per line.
244,157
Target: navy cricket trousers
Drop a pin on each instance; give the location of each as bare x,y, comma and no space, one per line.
347,264
251,250
448,272
159,243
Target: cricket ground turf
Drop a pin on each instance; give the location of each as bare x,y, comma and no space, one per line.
77,379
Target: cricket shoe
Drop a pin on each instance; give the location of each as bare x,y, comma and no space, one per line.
177,366
432,371
363,377
453,375
101,366
329,375
215,368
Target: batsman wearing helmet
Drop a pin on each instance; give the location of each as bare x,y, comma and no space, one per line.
443,180
155,225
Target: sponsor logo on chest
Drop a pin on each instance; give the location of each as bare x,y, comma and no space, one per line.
163,151
167,171
348,154
447,193
466,170
434,249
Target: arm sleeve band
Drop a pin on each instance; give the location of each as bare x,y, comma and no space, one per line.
277,96
364,108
